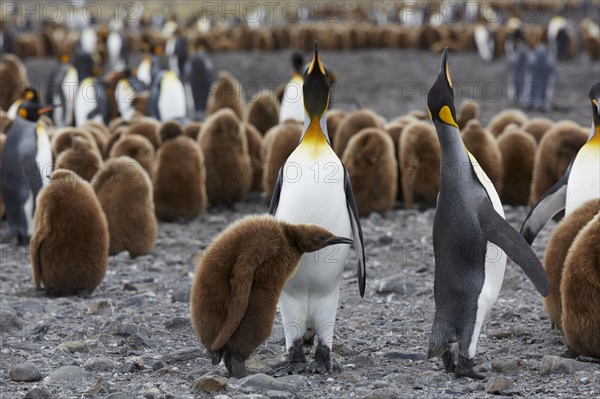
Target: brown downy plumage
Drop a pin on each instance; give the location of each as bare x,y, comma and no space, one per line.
179,180
580,292
82,158
13,76
485,149
420,164
228,166
558,148
556,253
394,130
279,143
124,190
192,130
136,147
518,155
371,163
352,124
256,151
263,111
2,142
100,133
505,118
226,92
467,111
537,127
146,127
63,140
238,282
69,246
333,119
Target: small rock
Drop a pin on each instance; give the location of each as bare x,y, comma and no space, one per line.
363,361
263,382
38,393
99,307
118,395
9,321
99,364
341,349
272,394
400,379
26,372
181,295
383,393
295,380
159,364
500,333
134,363
178,322
507,364
386,239
555,364
129,287
183,355
209,383
403,355
72,346
397,284
69,374
127,329
498,384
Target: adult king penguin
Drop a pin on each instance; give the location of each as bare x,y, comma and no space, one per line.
580,182
198,75
468,228
292,103
26,161
314,187
62,87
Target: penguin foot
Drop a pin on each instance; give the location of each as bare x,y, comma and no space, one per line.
465,369
295,364
322,363
448,360
236,366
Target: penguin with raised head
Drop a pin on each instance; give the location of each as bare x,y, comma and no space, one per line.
116,46
26,161
540,78
29,95
292,105
198,77
167,97
324,196
580,182
176,52
62,87
471,240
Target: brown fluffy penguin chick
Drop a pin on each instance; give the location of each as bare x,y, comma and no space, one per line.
169,130
394,130
467,111
420,164
13,76
192,130
124,190
179,180
556,254
226,92
558,148
148,128
352,124
63,140
580,292
82,158
238,282
537,127
485,149
256,151
505,118
333,119
69,246
280,142
263,111
136,147
518,155
371,163
228,167
100,133
2,142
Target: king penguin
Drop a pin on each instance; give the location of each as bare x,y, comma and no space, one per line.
198,75
25,165
91,101
470,241
580,182
314,187
62,87
125,90
292,105
167,97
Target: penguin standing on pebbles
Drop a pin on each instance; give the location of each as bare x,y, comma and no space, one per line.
468,228
580,182
314,187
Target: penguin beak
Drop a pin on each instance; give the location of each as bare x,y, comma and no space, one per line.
595,103
316,61
340,240
444,67
44,110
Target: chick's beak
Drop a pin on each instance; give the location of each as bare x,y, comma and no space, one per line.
340,240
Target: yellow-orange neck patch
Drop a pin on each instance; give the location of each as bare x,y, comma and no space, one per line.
446,116
314,140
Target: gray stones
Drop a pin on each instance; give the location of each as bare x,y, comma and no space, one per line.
263,382
38,393
398,355
99,364
498,384
69,374
9,321
72,346
398,284
133,364
183,355
209,383
181,295
26,372
554,364
507,364
178,322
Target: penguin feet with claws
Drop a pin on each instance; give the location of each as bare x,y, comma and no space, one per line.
295,364
322,363
464,368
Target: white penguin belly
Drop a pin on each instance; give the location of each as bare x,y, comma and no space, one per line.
495,263
584,179
171,101
292,104
86,101
69,88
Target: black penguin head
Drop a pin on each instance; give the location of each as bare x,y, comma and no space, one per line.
297,62
316,87
32,111
440,99
30,94
594,96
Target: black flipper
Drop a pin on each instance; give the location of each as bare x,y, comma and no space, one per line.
552,202
276,193
499,232
357,233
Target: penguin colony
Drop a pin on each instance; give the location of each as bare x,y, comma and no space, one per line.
124,175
